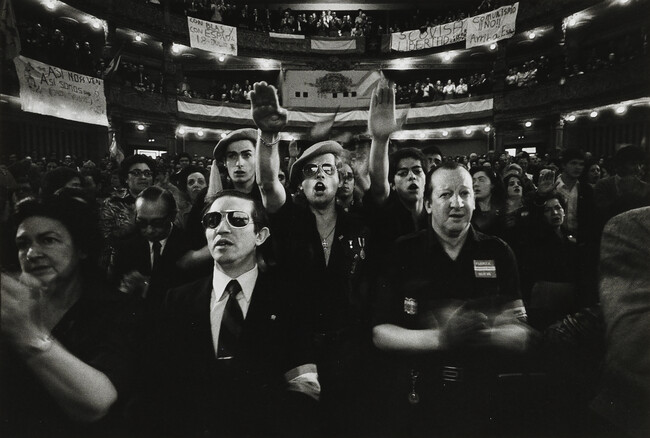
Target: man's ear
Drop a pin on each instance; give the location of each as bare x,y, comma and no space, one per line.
262,234
427,206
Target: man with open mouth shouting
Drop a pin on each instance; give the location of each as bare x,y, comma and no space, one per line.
325,248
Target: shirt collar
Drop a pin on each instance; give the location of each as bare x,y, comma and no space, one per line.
562,184
247,282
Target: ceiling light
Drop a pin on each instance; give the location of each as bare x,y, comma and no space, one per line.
468,131
200,133
50,4
222,58
493,46
445,133
223,135
181,131
572,21
446,56
96,24
532,35
421,135
593,114
528,124
571,118
487,129
138,38
140,127
176,48
621,109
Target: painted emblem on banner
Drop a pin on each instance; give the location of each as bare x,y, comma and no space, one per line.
410,306
332,83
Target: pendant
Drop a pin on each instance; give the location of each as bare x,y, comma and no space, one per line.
414,397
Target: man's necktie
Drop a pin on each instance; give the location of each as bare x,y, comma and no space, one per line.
232,322
156,255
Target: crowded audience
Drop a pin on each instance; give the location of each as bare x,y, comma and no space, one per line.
245,285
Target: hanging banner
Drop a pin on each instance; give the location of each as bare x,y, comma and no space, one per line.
52,91
475,31
435,36
212,37
334,45
492,26
207,111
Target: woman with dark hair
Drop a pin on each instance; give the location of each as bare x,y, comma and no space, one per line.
191,181
489,196
60,177
63,361
117,215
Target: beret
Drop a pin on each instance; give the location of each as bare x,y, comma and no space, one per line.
239,134
321,148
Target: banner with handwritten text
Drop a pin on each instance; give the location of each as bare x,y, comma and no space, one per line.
53,91
434,36
492,26
212,37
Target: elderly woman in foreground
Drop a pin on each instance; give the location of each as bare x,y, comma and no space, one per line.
63,356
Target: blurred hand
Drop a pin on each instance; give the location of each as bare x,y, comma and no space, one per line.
294,150
267,113
381,122
546,182
21,312
134,283
463,328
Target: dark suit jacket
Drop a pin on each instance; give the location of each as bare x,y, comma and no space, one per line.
134,255
196,394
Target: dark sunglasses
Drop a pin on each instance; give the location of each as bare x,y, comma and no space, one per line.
155,223
138,173
235,218
311,170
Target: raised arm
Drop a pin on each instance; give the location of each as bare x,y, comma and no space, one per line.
270,118
381,124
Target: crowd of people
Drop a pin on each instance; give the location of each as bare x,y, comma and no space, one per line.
528,74
221,91
325,23
427,90
55,46
380,292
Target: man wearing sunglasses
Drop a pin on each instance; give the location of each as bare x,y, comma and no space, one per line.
325,249
230,357
145,264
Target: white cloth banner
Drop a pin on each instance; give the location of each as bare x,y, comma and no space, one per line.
435,36
52,91
492,26
242,116
286,36
212,37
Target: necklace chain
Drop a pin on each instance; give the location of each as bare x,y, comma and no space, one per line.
324,239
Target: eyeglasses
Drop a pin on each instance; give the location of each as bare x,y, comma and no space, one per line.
311,170
154,223
236,219
138,173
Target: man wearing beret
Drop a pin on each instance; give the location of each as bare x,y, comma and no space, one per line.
326,249
237,152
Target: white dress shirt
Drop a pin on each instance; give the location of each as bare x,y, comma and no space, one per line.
219,298
571,196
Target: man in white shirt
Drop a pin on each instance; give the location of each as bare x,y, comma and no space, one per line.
234,349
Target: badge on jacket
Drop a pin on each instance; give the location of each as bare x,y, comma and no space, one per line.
410,306
485,269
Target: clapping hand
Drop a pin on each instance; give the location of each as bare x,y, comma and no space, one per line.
267,113
464,327
21,319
